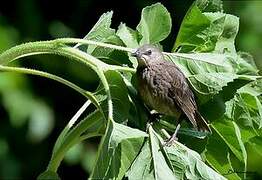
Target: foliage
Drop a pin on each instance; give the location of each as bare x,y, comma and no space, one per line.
226,83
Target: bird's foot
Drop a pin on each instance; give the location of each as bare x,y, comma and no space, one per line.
170,141
154,116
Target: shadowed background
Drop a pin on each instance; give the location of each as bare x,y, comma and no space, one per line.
34,110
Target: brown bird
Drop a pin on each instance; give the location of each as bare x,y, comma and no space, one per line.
164,88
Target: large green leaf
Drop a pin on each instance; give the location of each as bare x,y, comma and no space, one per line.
244,64
193,23
129,38
162,169
119,95
223,30
155,24
151,163
230,133
142,167
119,147
207,32
238,127
188,163
210,5
206,78
254,147
217,155
101,30
246,108
175,162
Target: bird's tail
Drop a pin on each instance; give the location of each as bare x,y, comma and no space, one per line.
201,123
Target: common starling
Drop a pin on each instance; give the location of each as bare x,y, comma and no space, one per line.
164,88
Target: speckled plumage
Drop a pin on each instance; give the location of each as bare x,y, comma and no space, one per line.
164,88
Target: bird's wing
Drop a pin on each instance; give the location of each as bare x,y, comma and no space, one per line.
181,93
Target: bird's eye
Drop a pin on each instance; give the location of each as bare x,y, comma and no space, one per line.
149,52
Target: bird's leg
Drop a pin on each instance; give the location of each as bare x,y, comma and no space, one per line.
173,138
153,116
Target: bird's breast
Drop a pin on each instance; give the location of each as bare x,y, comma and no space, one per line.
153,87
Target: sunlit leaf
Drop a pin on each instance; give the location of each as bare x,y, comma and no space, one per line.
118,149
119,96
129,37
210,5
189,163
193,23
142,167
218,157
155,24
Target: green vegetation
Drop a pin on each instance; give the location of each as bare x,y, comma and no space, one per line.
225,81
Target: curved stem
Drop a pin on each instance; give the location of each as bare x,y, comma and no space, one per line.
52,47
72,137
49,47
69,125
85,93
90,135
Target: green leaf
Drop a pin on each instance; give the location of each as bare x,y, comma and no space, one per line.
237,127
162,169
101,30
119,95
217,155
151,163
230,25
129,37
193,23
230,133
189,163
211,62
244,64
48,175
207,32
207,78
210,5
155,24
246,108
119,147
210,83
175,162
142,167
254,147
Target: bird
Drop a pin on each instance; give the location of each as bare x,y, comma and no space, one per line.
164,88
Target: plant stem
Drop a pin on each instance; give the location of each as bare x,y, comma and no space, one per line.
72,137
85,93
62,135
90,42
122,68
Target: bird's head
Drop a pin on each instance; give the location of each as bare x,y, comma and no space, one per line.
147,54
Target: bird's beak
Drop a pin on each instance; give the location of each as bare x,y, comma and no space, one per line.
135,54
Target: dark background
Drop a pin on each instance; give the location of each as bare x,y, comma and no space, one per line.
24,153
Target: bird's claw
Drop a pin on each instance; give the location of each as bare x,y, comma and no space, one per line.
170,141
154,117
